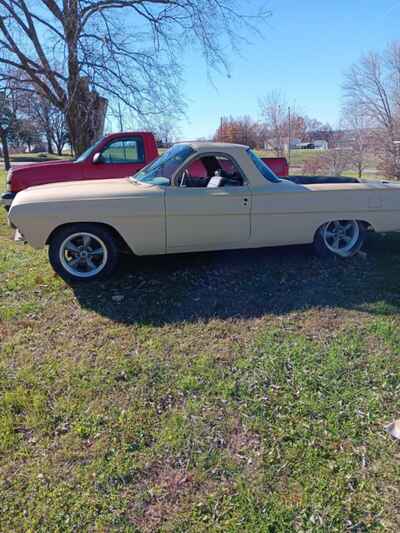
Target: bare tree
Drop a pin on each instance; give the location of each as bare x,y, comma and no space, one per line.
339,156
335,161
27,134
166,130
8,120
274,112
359,138
314,166
372,87
331,163
40,110
77,53
283,123
51,123
58,129
315,130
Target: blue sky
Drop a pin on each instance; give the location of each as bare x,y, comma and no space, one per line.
306,47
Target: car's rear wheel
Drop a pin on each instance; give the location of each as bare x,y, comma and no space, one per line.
83,252
341,238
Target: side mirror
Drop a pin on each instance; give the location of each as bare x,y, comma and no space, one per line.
161,181
97,158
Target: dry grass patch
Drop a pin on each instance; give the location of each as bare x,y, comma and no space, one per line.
241,391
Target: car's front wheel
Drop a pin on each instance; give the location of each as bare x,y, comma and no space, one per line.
342,238
83,252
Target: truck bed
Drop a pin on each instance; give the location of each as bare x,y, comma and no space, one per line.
315,180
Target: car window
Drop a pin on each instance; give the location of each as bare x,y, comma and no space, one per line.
166,165
124,151
262,167
202,171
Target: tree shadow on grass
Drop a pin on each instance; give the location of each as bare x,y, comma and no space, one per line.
247,284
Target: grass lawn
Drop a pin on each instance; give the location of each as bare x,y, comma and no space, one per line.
299,157
237,391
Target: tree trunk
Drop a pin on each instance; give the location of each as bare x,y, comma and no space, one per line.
85,117
49,143
59,147
85,109
6,154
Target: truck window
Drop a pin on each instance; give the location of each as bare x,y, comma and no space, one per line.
88,152
124,151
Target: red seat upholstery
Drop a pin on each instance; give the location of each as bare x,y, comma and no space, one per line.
197,169
227,166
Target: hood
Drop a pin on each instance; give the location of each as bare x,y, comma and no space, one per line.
70,191
40,164
24,176
27,168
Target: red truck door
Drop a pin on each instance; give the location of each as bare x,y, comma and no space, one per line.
120,157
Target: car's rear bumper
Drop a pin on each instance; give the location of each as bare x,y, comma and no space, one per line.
7,198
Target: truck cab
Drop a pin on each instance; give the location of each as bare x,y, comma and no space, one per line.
114,156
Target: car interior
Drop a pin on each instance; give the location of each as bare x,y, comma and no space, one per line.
210,171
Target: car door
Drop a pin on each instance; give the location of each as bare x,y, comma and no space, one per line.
207,218
120,158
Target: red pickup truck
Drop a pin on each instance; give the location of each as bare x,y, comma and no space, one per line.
114,156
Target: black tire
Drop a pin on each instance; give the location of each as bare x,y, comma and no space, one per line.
321,249
100,236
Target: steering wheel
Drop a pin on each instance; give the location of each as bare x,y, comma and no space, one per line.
184,177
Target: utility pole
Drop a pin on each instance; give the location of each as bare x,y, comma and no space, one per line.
121,124
289,133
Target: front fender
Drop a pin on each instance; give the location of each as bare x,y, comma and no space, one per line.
139,220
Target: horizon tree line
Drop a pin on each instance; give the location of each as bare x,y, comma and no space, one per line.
73,63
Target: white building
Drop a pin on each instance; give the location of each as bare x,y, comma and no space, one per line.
320,145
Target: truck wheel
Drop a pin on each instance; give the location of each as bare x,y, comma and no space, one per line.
83,252
341,238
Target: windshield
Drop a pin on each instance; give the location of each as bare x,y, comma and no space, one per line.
262,167
88,151
166,165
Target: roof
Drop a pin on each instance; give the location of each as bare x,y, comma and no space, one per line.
226,147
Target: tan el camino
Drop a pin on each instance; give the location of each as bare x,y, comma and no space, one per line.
197,197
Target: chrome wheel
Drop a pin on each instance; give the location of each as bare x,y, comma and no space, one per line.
83,255
341,236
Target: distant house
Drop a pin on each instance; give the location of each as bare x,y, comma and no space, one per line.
320,145
294,143
304,146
